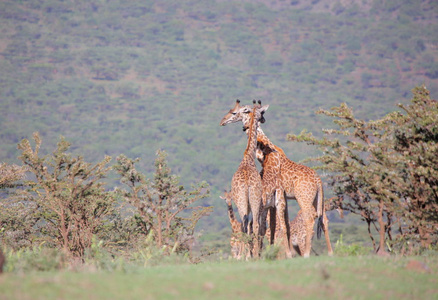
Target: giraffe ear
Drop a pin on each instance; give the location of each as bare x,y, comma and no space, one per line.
264,108
236,106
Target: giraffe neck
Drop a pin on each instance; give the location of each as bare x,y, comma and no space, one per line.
250,152
231,213
262,138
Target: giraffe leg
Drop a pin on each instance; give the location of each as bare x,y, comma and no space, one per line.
272,224
268,216
255,200
239,251
298,234
298,244
286,218
246,251
240,198
326,234
281,207
309,220
264,219
294,252
302,245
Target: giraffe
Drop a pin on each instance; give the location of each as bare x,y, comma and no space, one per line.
298,233
246,184
238,247
296,182
284,179
297,225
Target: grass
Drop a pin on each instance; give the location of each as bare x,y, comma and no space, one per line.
362,277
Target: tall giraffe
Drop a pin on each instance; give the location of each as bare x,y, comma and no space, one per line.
238,247
284,179
246,185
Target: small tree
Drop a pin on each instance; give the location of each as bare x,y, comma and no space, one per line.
416,143
387,170
159,205
69,200
351,166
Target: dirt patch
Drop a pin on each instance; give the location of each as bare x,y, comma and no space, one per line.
418,266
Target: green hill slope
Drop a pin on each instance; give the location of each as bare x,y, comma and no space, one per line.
136,76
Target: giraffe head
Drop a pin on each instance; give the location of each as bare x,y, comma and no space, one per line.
260,111
227,197
243,113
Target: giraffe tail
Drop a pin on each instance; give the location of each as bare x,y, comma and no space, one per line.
319,227
320,201
320,211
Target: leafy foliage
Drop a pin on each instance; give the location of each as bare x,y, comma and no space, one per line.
386,170
135,76
416,146
342,249
10,174
16,219
35,259
160,204
66,207
66,203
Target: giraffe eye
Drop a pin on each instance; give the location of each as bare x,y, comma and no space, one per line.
233,113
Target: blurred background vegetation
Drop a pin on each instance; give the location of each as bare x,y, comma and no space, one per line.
135,76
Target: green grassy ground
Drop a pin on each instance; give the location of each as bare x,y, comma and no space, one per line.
368,277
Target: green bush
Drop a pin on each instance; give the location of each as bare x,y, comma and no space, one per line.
34,259
270,252
354,249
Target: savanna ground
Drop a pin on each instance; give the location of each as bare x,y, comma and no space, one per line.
319,277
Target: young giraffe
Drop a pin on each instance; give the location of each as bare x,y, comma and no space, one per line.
298,226
283,178
298,233
246,185
238,247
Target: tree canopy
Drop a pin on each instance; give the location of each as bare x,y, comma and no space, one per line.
386,170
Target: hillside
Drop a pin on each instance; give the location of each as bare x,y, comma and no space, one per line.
136,76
